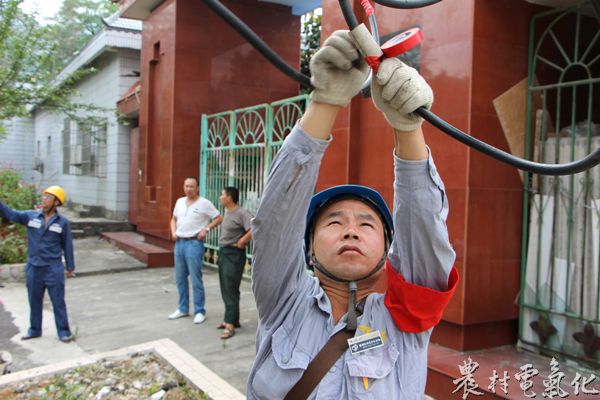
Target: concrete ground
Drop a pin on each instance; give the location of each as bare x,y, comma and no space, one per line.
114,302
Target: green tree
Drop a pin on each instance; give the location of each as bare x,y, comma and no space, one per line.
82,17
310,40
25,60
29,67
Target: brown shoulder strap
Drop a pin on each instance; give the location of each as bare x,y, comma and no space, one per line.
329,354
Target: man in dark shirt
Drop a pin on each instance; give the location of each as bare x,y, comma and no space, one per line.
235,235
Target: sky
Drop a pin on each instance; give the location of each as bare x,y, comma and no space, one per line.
45,8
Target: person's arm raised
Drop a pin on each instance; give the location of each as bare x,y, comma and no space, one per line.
421,252
398,90
278,268
318,120
20,217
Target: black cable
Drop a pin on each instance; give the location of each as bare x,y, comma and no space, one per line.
574,167
596,6
256,42
588,162
348,14
406,4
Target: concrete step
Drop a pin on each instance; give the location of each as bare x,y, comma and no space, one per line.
78,233
133,244
83,211
444,369
87,227
93,226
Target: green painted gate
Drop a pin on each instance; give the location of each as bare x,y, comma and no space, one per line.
238,147
560,281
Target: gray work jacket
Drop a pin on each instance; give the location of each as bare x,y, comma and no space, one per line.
295,313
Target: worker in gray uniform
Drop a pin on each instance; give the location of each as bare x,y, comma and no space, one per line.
349,237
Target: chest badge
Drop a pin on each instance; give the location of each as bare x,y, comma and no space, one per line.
370,341
55,228
34,223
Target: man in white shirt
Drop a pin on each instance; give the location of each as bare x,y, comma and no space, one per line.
193,218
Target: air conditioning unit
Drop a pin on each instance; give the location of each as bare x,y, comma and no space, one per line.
75,157
38,164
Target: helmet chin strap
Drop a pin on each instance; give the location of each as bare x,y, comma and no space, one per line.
351,319
328,274
53,208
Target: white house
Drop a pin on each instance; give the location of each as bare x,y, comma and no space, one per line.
16,151
92,162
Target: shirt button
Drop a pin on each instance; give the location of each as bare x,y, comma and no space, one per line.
433,172
285,360
333,369
305,150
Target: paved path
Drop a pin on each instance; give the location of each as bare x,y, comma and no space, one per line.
109,310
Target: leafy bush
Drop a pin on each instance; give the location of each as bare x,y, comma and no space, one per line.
13,237
13,248
14,193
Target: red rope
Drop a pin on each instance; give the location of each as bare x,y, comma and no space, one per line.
366,5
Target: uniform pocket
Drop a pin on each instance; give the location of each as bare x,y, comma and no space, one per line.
286,353
282,368
375,364
57,274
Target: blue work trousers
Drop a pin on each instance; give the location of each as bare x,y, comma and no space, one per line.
189,258
40,278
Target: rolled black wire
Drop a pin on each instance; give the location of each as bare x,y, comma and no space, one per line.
348,13
406,4
588,162
256,42
596,5
574,167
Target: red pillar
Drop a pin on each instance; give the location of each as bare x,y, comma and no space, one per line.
194,63
469,57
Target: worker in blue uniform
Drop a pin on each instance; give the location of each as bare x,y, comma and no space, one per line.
49,238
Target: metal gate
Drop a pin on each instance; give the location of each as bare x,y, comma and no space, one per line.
238,147
560,281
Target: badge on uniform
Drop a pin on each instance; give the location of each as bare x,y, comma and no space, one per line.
370,341
34,223
55,228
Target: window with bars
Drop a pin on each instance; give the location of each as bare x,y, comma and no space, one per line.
84,149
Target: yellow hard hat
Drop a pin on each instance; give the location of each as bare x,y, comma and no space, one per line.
57,192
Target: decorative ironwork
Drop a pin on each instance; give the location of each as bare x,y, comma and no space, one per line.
237,148
250,128
544,328
561,226
218,132
589,340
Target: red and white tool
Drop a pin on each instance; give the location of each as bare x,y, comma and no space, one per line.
397,45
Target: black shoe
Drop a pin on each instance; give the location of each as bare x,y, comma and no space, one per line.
28,336
66,339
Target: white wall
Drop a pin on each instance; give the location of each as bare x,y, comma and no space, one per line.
17,148
102,88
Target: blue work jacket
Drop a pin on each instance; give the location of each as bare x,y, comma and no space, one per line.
47,242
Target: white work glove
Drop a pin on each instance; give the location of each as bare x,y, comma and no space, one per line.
397,91
337,70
